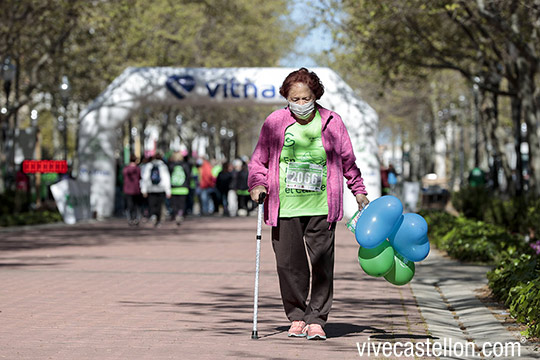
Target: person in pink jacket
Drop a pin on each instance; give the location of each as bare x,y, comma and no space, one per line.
300,159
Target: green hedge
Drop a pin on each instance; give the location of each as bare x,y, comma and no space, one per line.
516,215
516,282
439,223
470,240
525,306
9,201
477,241
30,218
532,221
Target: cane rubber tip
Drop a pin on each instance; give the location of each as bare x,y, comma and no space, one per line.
254,335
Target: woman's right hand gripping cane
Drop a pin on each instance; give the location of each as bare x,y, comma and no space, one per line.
256,191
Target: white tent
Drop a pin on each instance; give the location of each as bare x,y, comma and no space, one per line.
141,87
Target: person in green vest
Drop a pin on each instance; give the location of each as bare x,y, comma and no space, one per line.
47,180
193,183
217,167
180,171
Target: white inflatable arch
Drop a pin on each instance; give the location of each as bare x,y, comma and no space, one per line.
136,88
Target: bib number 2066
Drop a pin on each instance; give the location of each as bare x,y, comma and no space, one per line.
304,176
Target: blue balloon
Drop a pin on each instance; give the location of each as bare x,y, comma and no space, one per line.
411,240
378,221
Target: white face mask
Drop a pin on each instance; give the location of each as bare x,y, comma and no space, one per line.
302,111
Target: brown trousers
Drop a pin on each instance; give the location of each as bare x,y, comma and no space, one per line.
293,266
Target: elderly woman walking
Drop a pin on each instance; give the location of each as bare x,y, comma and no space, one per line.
302,154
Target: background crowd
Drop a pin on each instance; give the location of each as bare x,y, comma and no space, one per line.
179,185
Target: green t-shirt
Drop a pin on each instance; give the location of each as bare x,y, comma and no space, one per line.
178,181
303,146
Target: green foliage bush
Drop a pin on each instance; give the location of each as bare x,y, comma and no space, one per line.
511,271
477,241
470,240
8,216
491,230
472,202
517,214
439,223
30,218
525,306
533,217
7,202
516,282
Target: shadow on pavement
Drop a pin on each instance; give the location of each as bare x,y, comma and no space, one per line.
116,231
336,330
231,313
21,264
402,336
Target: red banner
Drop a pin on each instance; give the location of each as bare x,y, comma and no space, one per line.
44,166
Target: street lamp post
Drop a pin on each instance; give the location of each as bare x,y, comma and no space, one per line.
476,125
64,93
37,155
8,75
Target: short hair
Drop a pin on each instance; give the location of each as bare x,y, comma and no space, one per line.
305,76
176,157
133,158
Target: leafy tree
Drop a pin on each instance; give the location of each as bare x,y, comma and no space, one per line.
93,41
485,41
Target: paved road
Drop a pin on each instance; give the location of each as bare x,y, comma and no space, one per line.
106,291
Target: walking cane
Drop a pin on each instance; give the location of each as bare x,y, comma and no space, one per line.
254,334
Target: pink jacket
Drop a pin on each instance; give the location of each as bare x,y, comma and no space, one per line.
340,161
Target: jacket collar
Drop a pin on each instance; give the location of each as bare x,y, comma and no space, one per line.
326,115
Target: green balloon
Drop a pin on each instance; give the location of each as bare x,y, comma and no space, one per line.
377,261
401,272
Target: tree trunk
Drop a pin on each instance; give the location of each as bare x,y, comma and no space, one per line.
163,133
435,147
130,137
142,134
531,118
516,120
497,138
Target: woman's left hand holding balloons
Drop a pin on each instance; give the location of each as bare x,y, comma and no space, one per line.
362,201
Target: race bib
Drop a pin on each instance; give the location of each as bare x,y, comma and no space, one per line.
305,176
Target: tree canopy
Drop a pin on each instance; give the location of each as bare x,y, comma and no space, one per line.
93,41
493,44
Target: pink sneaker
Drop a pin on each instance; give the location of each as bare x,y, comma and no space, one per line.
296,329
314,332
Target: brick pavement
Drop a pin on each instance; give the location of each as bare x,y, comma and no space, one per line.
106,291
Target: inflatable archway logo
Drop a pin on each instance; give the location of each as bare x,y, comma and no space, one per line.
136,88
180,86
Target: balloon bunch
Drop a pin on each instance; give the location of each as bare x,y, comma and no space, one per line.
390,241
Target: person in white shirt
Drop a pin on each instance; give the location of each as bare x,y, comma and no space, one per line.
156,185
